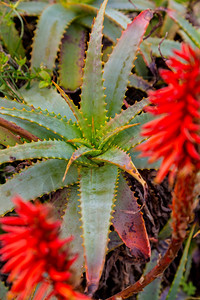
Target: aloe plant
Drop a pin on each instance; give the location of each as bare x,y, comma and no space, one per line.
90,150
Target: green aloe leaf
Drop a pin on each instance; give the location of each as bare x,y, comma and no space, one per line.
72,57
77,113
125,116
31,8
142,162
71,225
81,152
35,129
113,24
179,274
3,291
44,149
152,46
80,142
190,30
35,181
4,102
118,17
107,140
129,223
51,122
137,5
131,137
139,83
97,192
47,99
41,149
166,47
7,138
112,30
53,21
119,65
92,88
123,161
40,132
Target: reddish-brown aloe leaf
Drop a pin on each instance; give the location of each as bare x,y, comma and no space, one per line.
72,57
129,223
120,63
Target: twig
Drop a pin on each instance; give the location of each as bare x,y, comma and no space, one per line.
182,214
154,273
160,22
160,46
17,129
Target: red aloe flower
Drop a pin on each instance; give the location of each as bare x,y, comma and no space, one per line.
35,254
175,135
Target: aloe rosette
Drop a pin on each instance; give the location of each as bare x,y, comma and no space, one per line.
86,153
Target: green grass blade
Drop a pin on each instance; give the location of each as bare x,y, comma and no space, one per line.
53,21
39,179
119,65
179,274
92,97
72,55
97,191
47,99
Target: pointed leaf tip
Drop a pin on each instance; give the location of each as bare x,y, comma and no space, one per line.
117,71
92,98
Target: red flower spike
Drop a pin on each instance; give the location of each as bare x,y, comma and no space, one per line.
175,134
35,254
